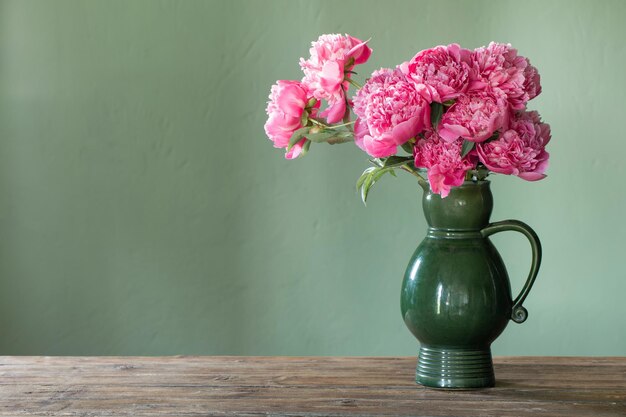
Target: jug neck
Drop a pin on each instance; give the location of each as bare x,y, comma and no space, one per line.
467,208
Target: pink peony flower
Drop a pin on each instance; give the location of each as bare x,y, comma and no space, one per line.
498,66
390,111
446,168
288,99
325,70
520,150
474,117
444,70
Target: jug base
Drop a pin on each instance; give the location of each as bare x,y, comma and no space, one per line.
454,368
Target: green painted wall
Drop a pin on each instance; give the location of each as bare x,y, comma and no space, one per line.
142,210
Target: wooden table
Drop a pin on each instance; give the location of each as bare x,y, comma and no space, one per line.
291,386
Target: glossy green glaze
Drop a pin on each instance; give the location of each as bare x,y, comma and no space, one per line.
456,296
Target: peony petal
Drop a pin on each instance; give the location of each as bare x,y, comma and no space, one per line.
295,150
454,49
436,181
404,67
280,127
360,52
379,148
360,130
406,130
544,161
500,170
476,85
538,173
447,93
335,112
450,133
331,77
531,176
428,93
292,100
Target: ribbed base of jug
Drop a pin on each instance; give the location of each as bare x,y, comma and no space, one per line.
454,368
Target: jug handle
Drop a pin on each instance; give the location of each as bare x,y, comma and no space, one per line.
518,313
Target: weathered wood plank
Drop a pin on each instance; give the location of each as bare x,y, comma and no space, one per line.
291,386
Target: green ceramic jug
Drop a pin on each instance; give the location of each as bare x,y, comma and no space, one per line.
456,296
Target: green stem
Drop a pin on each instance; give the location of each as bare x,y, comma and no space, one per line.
354,83
319,122
420,179
346,115
341,125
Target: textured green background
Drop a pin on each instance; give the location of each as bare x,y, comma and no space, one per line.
142,210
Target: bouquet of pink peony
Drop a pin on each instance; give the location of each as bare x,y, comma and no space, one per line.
449,113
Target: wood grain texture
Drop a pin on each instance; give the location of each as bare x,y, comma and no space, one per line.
294,386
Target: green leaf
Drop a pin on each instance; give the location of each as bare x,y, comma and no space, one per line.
448,103
408,147
322,136
305,148
369,178
297,136
365,188
342,138
396,161
467,147
478,174
376,176
363,176
304,120
436,111
482,171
